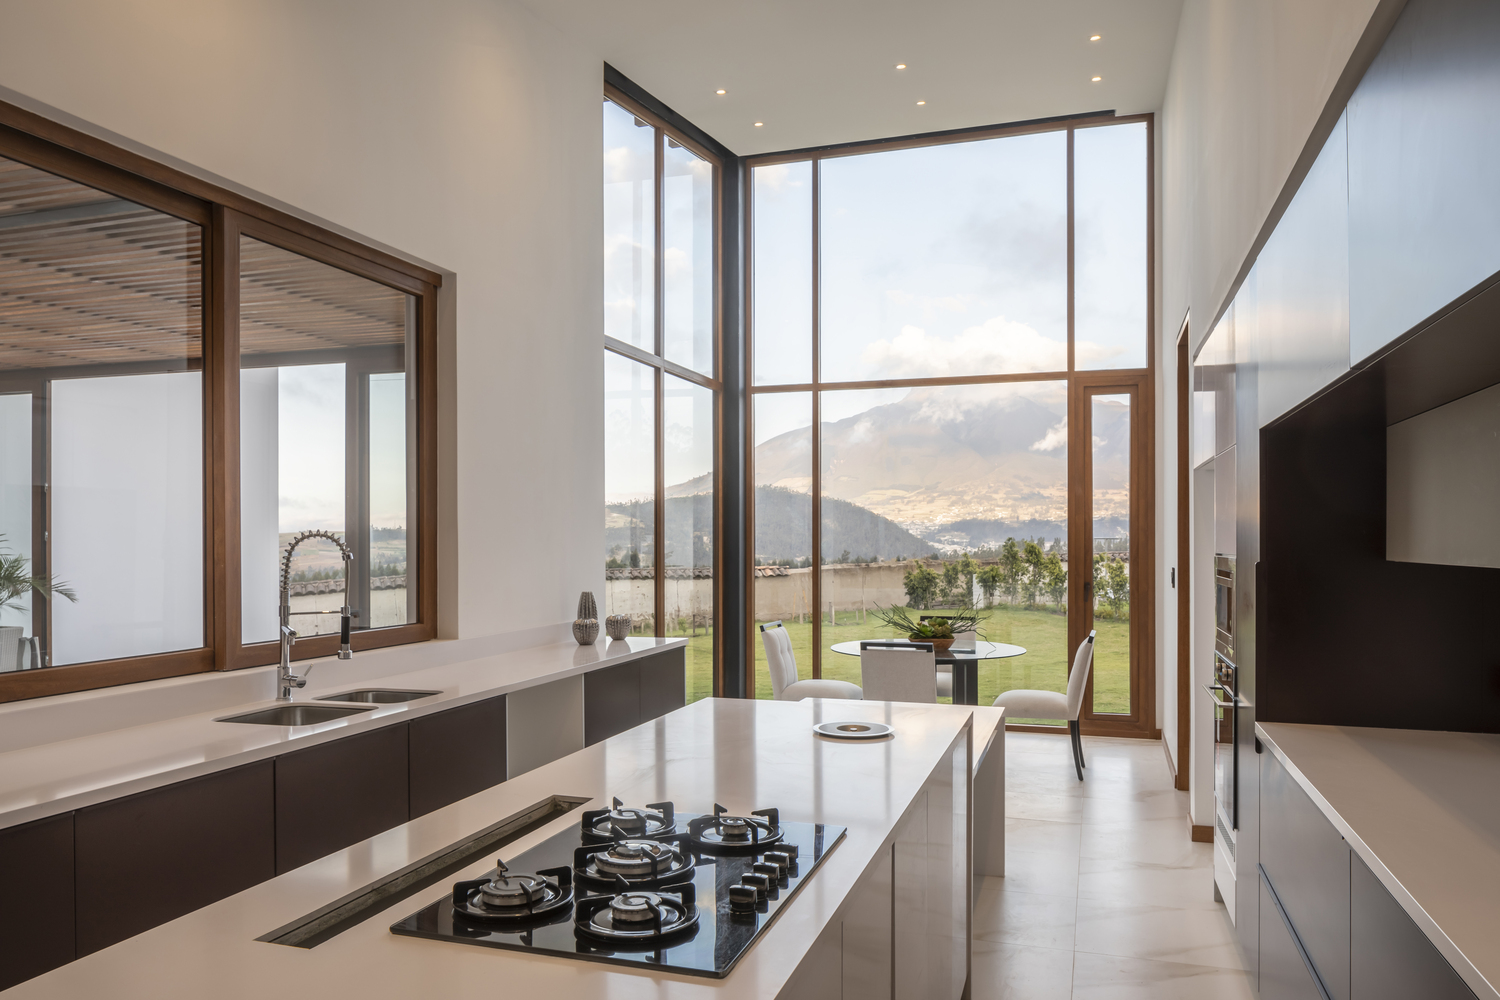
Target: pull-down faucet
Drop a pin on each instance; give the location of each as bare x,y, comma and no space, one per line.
286,680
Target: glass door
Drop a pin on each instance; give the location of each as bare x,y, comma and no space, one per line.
1114,593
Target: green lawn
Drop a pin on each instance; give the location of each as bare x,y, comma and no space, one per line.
1044,666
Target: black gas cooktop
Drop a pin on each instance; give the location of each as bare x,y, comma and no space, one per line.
642,887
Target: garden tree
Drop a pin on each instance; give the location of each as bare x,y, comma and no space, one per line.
1098,578
969,569
953,583
991,578
1055,578
921,586
1117,588
1010,565
1031,574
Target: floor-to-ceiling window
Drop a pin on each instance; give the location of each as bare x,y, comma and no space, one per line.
950,399
661,384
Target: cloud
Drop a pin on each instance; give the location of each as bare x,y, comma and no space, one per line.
997,346
1055,438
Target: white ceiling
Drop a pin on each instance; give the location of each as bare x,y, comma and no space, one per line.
823,71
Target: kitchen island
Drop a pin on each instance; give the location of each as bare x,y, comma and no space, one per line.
901,874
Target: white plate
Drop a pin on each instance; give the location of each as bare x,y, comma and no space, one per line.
854,730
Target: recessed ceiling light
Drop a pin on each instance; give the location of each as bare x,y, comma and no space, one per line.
759,124
1097,79
718,92
1094,38
901,65
921,102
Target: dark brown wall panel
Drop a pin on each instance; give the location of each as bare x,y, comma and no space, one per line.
166,852
611,701
663,684
337,794
36,920
456,753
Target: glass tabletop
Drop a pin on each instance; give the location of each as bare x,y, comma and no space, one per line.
981,651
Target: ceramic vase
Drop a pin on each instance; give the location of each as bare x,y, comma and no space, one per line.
617,626
586,630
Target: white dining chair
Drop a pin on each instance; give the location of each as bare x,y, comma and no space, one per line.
898,671
1021,703
782,664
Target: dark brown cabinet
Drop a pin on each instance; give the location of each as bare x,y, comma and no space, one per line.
339,793
166,852
456,753
663,684
611,701
619,698
36,922
1391,957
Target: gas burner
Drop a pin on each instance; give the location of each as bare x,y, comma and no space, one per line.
636,916
522,898
723,834
603,825
642,864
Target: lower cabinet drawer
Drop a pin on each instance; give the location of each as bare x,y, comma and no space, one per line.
455,753
1391,958
36,884
1284,974
339,793
1307,862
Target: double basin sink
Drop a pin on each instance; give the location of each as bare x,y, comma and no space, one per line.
306,714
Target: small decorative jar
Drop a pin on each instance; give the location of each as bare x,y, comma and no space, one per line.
617,626
585,630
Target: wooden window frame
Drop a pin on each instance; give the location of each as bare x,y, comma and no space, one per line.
222,215
1141,382
660,366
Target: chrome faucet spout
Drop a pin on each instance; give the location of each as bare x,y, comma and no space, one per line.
286,680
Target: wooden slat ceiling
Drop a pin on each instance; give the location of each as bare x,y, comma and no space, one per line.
87,279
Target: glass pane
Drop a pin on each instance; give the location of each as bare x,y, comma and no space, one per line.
1110,416
1109,246
327,416
782,466
946,498
781,264
629,491
946,260
688,440
100,382
688,258
629,228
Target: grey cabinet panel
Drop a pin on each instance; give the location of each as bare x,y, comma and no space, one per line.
36,922
453,754
663,684
912,915
171,850
1283,973
1391,959
1300,334
1307,863
867,934
339,793
1424,137
611,701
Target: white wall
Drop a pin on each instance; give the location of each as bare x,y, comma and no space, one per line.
465,133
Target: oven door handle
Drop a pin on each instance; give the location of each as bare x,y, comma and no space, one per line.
1238,701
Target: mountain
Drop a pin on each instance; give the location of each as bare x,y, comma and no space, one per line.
941,455
783,529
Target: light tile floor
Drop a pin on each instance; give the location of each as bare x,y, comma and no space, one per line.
1105,896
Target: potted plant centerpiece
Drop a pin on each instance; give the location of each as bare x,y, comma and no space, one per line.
16,581
938,631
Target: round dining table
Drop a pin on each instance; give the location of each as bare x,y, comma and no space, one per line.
965,663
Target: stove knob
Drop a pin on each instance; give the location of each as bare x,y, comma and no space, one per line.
761,883
769,869
742,897
786,858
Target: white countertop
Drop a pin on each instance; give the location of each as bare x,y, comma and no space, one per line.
1422,809
51,778
744,754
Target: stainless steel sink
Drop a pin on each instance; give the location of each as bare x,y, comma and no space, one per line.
378,696
295,715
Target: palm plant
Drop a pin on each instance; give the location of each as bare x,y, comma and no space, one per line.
16,581
934,628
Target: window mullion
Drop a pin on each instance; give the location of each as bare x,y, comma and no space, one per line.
817,432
